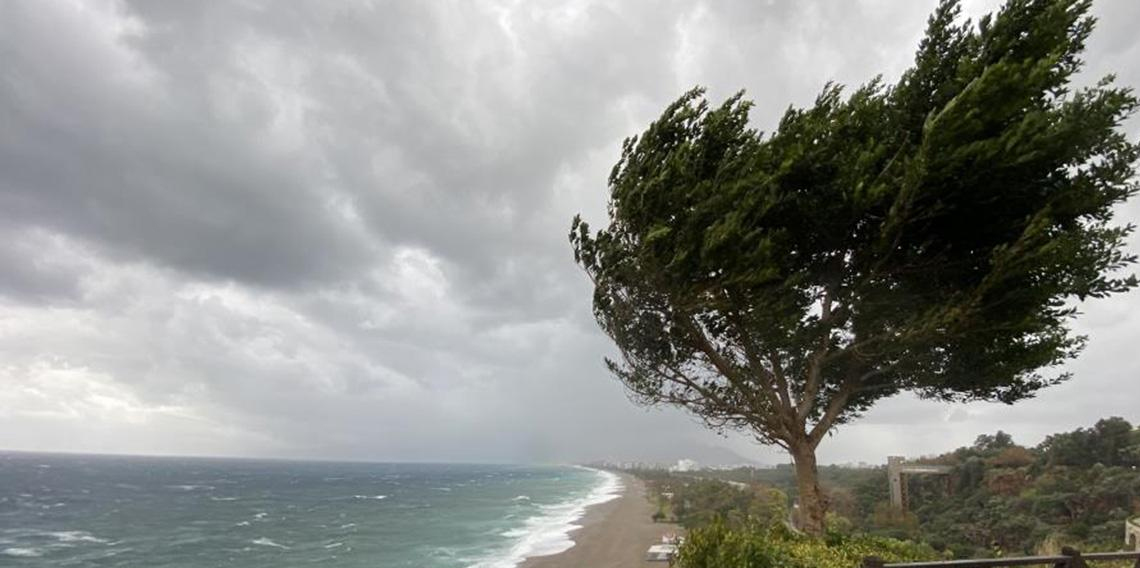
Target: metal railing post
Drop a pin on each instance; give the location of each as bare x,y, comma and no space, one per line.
1074,561
872,562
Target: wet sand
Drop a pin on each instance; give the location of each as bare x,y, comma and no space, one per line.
613,535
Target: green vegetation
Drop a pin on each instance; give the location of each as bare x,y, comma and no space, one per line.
759,546
695,502
1001,499
735,524
1074,489
927,236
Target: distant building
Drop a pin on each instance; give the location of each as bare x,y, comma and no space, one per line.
684,465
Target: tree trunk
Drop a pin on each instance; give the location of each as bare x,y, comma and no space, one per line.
813,506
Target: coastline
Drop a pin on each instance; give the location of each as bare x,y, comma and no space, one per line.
613,534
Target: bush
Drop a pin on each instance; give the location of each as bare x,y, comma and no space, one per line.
718,546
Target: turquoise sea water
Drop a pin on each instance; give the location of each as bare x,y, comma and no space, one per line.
178,512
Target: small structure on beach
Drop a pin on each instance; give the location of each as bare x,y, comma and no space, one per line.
666,551
661,553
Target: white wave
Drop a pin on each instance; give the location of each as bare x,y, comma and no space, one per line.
192,487
22,552
549,533
75,536
223,498
376,497
334,545
521,498
242,524
267,542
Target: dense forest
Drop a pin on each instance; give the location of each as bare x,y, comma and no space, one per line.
1074,488
1001,498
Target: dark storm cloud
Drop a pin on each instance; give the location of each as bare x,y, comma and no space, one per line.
103,142
338,229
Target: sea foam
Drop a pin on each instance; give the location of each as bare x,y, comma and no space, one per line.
549,532
22,552
75,536
268,542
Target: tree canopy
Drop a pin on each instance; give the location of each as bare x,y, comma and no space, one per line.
929,235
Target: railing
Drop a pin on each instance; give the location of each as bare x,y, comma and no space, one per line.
1070,558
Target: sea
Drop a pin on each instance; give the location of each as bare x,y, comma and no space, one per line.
72,510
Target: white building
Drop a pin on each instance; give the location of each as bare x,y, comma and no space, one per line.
684,465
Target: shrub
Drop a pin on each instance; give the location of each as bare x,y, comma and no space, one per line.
718,546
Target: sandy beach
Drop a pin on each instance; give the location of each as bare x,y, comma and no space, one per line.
615,534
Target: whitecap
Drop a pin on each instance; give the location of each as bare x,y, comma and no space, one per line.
268,542
376,497
192,487
549,532
334,545
223,498
22,552
75,536
521,498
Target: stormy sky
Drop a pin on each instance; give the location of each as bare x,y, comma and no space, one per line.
338,229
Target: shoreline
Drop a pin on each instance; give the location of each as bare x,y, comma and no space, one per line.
613,534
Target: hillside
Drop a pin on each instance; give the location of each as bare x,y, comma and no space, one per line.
1075,488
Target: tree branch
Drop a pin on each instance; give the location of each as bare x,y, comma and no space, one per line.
835,407
741,384
755,358
814,371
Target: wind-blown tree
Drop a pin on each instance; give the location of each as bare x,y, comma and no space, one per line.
929,236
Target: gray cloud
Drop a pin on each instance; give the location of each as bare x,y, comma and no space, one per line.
338,230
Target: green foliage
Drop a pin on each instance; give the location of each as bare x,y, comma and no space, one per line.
1075,489
865,486
1110,442
1001,498
718,546
697,502
929,235
987,444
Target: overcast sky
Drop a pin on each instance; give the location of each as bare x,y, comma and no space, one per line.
338,229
